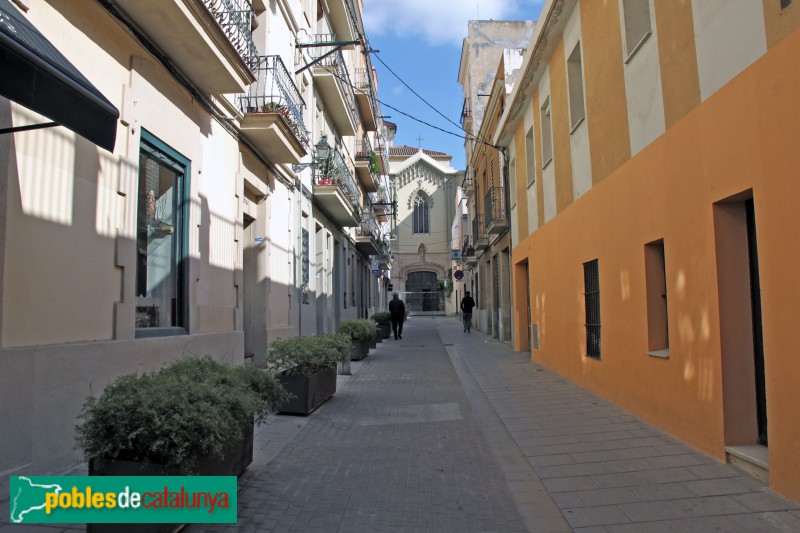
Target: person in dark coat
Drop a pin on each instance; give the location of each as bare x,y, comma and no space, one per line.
398,311
467,303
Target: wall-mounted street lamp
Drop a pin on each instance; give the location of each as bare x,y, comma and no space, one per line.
321,154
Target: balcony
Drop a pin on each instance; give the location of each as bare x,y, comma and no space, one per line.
342,20
273,113
383,155
365,99
469,182
466,115
479,240
366,164
494,207
336,192
468,253
210,41
368,240
379,202
333,84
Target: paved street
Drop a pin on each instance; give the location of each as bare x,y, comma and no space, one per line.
445,431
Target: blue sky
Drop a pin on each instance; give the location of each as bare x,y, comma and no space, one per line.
421,41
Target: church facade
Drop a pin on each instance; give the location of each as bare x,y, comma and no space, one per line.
424,186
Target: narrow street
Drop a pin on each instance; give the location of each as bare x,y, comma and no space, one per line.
445,431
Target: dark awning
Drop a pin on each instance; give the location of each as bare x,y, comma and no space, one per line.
36,75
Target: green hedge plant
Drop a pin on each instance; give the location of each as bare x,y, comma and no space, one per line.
191,409
382,318
358,329
305,356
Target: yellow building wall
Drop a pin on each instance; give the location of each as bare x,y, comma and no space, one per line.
740,139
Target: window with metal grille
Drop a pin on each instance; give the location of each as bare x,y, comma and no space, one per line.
591,283
785,4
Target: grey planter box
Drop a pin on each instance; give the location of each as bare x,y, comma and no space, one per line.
384,330
308,392
233,463
359,350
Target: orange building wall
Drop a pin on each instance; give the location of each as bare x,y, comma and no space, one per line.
604,80
741,138
560,123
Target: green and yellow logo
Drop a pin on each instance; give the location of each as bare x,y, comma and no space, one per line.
123,500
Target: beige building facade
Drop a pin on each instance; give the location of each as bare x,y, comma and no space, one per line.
424,188
206,230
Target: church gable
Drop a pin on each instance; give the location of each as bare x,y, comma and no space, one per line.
420,172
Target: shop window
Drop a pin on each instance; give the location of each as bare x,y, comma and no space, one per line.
161,228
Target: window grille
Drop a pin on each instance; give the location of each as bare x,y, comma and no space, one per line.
591,280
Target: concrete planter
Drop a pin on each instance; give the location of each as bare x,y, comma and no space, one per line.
234,461
308,392
384,330
359,350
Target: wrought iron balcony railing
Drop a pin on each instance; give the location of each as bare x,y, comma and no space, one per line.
467,249
335,64
379,196
466,112
275,92
364,150
335,171
469,181
236,17
478,229
369,226
494,205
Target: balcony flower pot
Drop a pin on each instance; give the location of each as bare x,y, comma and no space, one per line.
361,333
306,368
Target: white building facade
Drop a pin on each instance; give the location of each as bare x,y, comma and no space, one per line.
213,226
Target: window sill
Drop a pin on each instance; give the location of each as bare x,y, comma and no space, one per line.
149,333
637,47
546,163
577,124
662,354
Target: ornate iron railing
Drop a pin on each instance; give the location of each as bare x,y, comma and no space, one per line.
335,64
469,181
467,249
369,226
335,171
466,112
494,205
275,92
364,149
235,17
478,229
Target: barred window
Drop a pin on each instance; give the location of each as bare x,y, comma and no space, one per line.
591,281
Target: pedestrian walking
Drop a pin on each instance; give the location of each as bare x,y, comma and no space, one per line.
398,310
467,303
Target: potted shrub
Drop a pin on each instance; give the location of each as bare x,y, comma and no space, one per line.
383,320
306,368
194,416
361,333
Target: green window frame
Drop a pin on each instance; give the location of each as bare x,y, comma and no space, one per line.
162,244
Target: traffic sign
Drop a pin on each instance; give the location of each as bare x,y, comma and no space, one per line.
458,274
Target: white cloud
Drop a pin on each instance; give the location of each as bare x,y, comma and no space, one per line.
438,21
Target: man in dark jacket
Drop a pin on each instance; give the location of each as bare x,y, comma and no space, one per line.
467,303
398,310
